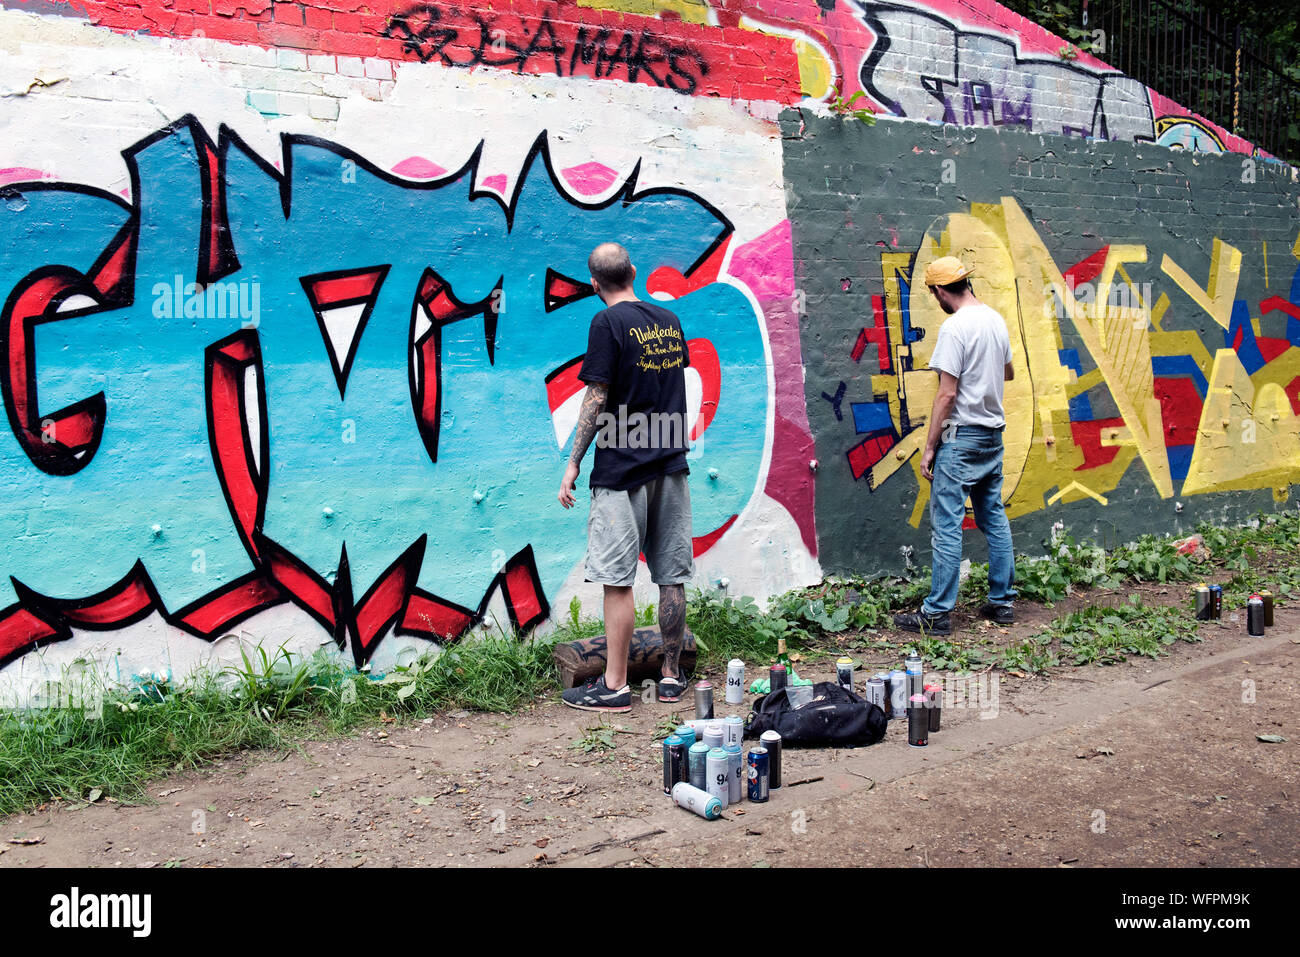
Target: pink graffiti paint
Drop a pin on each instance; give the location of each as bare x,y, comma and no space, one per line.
496,183
19,174
417,167
590,179
766,266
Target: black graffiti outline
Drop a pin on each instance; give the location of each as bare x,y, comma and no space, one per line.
59,615
934,85
431,38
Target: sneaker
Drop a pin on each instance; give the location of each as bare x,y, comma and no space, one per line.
919,621
595,696
1002,614
671,689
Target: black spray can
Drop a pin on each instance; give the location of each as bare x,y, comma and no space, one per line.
777,678
1255,617
934,702
1267,597
675,769
918,722
770,741
1216,602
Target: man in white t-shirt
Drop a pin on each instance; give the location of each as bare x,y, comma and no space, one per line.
963,451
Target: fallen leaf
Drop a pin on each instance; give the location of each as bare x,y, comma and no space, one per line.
26,840
1270,738
94,795
541,842
423,801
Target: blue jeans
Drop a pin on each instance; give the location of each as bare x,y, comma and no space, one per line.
968,466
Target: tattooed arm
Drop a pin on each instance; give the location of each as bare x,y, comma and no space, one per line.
672,626
592,405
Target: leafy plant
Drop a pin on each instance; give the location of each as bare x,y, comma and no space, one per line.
598,738
844,107
1102,635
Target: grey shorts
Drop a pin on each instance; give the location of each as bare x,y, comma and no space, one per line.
653,519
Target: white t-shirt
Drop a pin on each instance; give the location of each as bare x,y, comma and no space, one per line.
973,345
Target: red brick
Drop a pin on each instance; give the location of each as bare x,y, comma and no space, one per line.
347,22
283,35
228,28
349,44
393,49
318,19
289,13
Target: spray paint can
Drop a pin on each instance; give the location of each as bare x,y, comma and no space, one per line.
918,722
1255,617
687,734
1267,597
713,735
733,730
703,700
735,773
777,677
735,681
888,706
844,674
758,775
898,692
675,770
770,741
875,692
1204,606
915,679
696,764
719,781
1216,602
934,702
697,801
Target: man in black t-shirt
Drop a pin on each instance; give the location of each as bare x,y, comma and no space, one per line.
640,502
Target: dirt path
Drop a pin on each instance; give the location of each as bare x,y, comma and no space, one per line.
1146,763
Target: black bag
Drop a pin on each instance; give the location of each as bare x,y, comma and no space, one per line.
833,718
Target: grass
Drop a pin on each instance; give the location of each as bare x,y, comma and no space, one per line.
273,698
1101,635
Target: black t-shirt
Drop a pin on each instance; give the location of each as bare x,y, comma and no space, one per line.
639,351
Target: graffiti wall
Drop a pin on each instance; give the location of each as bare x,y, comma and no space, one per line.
294,296
298,381
1152,299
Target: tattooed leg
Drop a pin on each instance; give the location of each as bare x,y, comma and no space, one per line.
672,626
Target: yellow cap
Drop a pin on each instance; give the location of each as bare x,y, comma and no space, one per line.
945,271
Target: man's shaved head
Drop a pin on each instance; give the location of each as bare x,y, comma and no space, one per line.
611,266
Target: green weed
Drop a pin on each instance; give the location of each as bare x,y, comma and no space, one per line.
1104,635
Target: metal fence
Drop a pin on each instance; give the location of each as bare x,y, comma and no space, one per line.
1200,60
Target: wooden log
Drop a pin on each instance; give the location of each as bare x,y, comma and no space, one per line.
581,660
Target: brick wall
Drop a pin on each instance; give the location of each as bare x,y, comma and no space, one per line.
1116,418
293,304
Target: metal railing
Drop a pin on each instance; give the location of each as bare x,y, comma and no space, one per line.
1202,61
